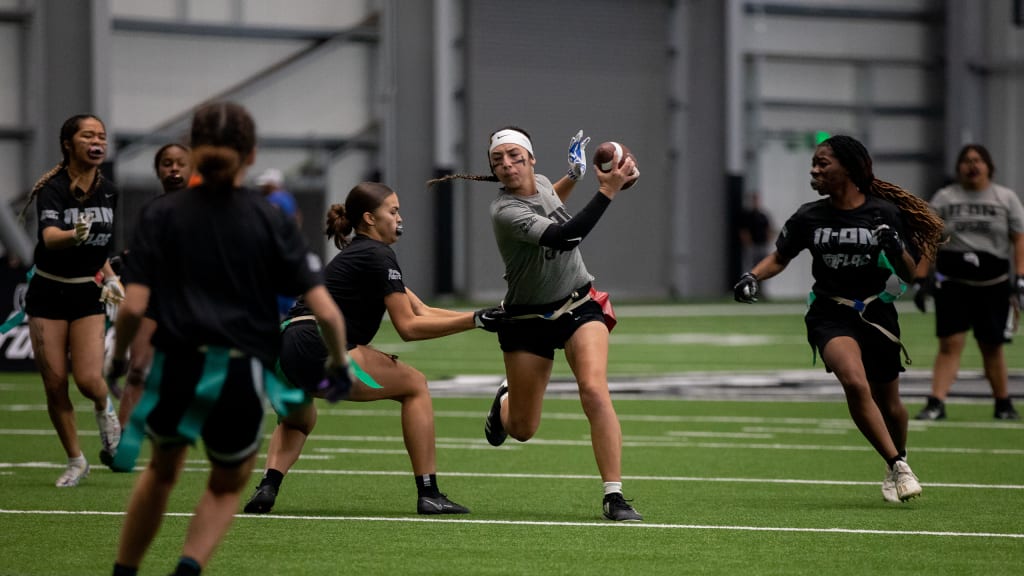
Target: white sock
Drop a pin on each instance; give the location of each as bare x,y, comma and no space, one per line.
77,461
612,487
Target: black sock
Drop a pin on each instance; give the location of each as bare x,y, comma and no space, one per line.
122,570
273,478
1003,403
187,566
893,460
426,485
903,454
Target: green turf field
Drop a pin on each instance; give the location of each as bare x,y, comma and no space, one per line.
657,340
727,487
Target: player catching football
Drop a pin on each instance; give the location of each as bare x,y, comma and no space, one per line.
549,292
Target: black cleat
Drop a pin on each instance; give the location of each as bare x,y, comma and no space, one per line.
617,508
439,504
1006,412
493,429
262,501
934,410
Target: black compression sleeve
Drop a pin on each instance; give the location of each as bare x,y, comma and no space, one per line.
569,235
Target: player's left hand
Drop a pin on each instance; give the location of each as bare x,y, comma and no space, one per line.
578,156
113,291
338,383
890,242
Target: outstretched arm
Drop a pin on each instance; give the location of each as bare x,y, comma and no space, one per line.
413,326
577,166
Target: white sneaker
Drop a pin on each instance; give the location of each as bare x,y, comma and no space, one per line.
73,474
110,427
907,486
889,486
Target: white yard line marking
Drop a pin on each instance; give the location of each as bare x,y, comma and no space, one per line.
634,526
588,477
672,439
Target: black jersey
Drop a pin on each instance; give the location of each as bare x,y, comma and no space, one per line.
215,262
358,278
56,206
846,256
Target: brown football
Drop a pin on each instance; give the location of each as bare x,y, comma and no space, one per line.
609,154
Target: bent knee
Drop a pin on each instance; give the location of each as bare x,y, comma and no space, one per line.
522,430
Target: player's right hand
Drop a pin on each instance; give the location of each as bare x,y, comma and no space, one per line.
82,227
746,289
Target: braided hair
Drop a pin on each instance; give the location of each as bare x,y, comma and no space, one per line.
67,132
478,177
923,224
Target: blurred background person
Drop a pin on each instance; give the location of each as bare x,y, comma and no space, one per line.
755,233
173,166
271,183
972,278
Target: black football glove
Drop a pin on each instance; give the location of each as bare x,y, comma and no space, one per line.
746,289
338,383
490,319
923,288
890,242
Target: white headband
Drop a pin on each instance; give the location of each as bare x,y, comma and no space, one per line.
510,137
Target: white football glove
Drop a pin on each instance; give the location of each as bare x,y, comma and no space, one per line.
82,227
578,156
113,291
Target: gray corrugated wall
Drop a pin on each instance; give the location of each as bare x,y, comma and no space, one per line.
553,68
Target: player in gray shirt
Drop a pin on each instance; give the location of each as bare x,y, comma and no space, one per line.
985,225
549,299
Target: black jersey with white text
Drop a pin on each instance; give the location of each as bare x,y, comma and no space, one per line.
358,278
845,254
216,261
56,206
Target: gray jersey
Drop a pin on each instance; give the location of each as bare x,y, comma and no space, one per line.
979,221
535,274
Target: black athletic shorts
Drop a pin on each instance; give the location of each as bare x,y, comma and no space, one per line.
56,300
985,309
216,394
826,320
303,355
542,337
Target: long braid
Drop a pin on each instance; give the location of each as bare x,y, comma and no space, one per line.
39,186
925,227
450,177
479,177
923,224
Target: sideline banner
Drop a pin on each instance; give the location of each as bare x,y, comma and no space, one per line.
15,345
